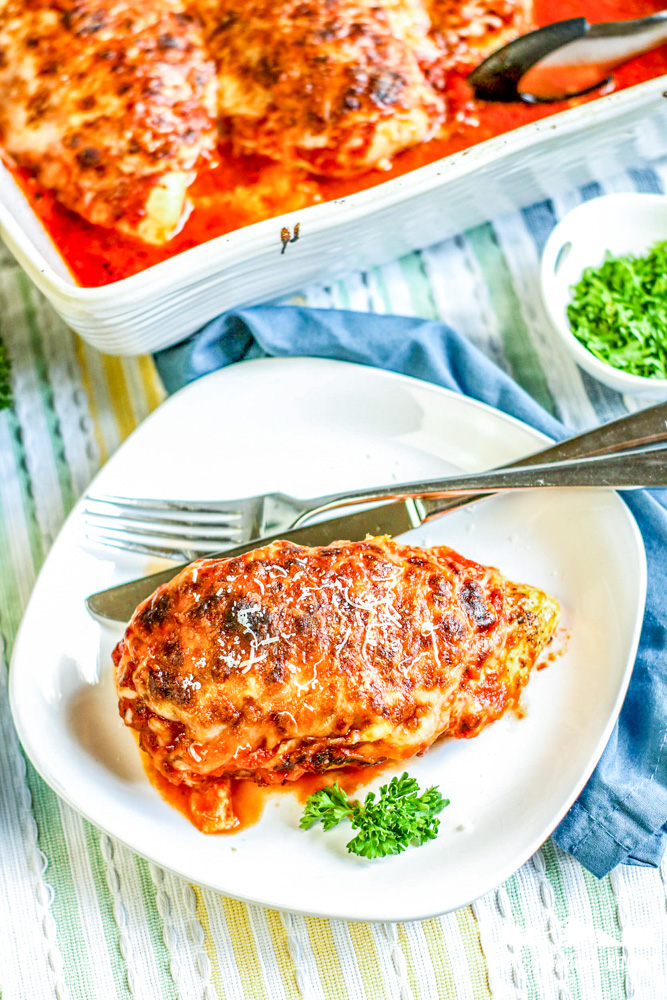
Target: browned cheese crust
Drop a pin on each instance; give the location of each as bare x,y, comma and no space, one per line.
111,103
334,86
343,85
290,660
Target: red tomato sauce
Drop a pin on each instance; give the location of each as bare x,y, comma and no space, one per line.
242,190
249,799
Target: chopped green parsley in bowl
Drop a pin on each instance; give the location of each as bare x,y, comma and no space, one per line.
604,287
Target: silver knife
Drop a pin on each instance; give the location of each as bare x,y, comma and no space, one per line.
422,501
634,430
119,603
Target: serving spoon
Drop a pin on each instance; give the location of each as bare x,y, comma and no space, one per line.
565,59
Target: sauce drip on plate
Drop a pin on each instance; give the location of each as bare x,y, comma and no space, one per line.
249,799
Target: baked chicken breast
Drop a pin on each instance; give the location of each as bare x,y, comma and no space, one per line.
113,104
341,86
110,103
290,660
336,86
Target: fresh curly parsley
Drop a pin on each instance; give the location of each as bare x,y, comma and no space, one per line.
5,386
618,312
398,818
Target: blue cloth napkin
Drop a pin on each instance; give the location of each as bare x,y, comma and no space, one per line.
621,815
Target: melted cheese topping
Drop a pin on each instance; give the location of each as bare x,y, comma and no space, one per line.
289,660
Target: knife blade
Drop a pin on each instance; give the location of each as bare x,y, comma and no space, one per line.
119,603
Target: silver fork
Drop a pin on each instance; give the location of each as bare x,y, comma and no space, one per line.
183,529
186,530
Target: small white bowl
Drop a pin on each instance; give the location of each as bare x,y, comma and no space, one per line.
622,224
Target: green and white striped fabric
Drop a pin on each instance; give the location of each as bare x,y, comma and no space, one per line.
80,915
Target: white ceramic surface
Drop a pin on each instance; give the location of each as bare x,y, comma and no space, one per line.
620,224
167,302
311,426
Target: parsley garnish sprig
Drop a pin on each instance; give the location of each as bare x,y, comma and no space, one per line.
399,817
619,312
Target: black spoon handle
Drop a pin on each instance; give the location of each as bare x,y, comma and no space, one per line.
574,42
497,78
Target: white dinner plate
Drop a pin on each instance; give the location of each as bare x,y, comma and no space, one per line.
309,427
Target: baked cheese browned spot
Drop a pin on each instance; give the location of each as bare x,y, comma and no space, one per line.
341,86
111,103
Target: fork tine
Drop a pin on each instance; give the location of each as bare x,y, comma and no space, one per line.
155,526
180,517
168,535
179,555
233,510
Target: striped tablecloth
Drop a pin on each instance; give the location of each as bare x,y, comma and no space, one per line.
80,915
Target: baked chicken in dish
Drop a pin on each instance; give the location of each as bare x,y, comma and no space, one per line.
111,103
290,660
340,86
336,86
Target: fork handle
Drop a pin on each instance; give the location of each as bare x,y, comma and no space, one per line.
635,430
626,470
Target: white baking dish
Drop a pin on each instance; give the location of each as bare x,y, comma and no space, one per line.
170,300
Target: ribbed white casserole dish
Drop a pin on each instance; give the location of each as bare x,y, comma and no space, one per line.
170,300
